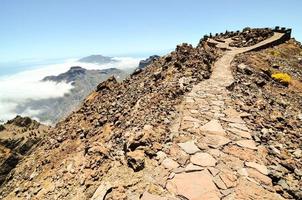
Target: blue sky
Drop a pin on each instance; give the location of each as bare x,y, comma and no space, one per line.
50,29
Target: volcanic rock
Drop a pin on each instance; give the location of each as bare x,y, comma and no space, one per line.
136,160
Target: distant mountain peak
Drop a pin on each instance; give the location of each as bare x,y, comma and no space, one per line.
23,122
73,73
73,68
83,81
97,59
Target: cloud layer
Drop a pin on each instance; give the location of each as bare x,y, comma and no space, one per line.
25,86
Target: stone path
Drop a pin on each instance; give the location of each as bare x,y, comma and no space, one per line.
217,157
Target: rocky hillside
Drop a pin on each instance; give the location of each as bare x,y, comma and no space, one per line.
84,82
188,126
112,123
18,137
274,108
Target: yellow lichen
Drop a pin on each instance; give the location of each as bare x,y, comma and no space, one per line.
282,77
275,53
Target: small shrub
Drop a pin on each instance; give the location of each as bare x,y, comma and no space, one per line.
282,78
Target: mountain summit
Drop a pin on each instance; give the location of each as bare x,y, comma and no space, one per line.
221,120
97,59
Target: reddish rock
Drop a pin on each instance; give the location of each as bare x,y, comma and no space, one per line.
258,167
249,190
213,127
259,177
194,186
247,144
243,134
203,159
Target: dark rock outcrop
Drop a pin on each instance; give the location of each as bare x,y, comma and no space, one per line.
23,122
109,84
148,61
71,75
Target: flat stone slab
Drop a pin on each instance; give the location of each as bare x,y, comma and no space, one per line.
261,168
244,154
243,172
215,141
228,178
259,177
213,171
233,120
203,159
219,183
170,164
192,168
243,134
249,190
194,186
239,126
213,127
230,112
247,144
189,147
160,156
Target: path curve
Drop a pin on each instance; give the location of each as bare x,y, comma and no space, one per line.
224,160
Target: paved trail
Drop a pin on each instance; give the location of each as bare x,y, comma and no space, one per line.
225,161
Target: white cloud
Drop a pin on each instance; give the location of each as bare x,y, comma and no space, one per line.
23,86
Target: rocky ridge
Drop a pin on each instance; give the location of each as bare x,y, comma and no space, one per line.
104,136
170,131
148,61
18,137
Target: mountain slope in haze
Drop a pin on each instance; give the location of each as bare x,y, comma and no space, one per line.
83,81
97,59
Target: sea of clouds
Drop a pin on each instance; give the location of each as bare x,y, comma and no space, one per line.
23,86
